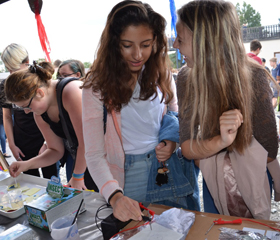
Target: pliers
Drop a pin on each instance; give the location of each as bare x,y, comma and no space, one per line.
147,218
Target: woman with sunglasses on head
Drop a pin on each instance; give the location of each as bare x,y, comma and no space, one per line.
226,116
24,138
35,91
129,79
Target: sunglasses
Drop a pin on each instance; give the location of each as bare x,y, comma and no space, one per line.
28,106
65,76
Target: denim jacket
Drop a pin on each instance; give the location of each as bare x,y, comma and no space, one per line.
182,187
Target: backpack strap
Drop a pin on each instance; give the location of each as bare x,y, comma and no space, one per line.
59,88
104,118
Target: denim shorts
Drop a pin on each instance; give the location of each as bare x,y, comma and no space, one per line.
137,169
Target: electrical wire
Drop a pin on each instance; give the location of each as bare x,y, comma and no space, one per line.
249,220
104,206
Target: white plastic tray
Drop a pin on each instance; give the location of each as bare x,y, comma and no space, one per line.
28,181
4,175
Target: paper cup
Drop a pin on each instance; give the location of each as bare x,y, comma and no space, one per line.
62,229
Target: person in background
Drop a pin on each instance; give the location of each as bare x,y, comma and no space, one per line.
24,138
129,80
3,136
275,71
226,118
56,65
263,63
255,48
70,68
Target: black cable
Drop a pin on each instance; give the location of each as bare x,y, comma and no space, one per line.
104,206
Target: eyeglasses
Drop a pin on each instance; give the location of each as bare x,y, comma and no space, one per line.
65,76
28,106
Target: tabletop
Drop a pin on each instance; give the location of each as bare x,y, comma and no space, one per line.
87,222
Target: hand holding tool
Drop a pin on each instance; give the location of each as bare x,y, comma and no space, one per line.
150,212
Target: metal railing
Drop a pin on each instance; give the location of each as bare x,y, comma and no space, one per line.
263,33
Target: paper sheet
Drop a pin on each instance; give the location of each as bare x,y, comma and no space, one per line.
158,232
32,191
273,235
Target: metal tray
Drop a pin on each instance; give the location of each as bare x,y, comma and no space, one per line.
28,181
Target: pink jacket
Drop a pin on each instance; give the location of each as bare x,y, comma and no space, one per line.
251,178
104,153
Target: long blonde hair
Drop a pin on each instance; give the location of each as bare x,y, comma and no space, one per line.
221,78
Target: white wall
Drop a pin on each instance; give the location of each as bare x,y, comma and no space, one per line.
268,50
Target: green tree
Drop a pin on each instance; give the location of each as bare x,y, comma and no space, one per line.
248,15
87,64
174,63
41,60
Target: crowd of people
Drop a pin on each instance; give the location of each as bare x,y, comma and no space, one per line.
127,130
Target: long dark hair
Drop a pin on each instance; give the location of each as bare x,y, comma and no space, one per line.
110,73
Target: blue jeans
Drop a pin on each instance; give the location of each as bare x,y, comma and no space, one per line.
137,169
3,138
69,166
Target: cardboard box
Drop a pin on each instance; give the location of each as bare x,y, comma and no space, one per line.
44,210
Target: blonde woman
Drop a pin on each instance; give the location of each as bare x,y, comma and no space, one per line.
226,116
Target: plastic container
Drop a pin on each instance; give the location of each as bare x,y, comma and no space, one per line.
62,228
24,180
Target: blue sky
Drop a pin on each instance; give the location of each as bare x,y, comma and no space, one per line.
74,27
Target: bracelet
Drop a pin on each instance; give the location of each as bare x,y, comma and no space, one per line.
78,179
78,175
113,194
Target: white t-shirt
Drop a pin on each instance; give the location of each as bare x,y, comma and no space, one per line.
140,122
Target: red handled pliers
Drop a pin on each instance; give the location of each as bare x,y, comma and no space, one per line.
147,218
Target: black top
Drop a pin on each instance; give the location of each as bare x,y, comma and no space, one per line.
26,133
57,128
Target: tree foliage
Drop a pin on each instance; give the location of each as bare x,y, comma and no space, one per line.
174,63
87,64
248,15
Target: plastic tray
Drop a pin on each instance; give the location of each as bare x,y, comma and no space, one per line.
28,181
4,175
